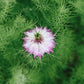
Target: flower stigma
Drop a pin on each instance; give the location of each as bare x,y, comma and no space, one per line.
38,37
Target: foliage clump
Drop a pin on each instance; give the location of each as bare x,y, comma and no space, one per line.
65,18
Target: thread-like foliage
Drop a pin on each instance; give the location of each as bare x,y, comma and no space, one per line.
65,19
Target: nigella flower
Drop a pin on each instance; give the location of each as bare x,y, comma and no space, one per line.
38,41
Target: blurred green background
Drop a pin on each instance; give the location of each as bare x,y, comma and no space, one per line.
65,19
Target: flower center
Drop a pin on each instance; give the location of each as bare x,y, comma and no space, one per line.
38,37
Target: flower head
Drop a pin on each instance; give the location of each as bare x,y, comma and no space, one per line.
38,41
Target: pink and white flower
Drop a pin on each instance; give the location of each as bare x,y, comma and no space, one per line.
38,41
